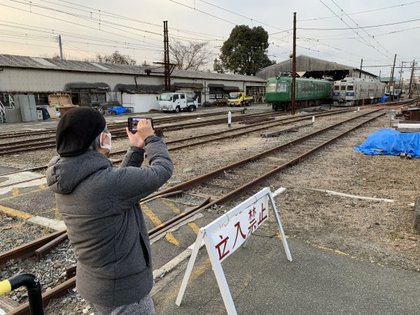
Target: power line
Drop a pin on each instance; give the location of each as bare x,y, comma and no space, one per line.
67,34
70,22
362,12
370,36
375,35
118,16
209,14
352,28
360,27
240,15
102,22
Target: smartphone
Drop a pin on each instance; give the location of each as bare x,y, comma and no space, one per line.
132,123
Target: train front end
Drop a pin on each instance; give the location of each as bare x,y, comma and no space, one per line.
277,92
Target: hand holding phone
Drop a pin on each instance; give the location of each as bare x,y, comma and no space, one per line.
138,130
133,121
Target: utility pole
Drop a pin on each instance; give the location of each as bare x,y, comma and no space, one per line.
61,47
411,79
167,66
401,72
361,64
392,78
294,66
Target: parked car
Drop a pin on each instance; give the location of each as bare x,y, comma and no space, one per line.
103,107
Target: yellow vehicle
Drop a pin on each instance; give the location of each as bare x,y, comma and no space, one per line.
239,99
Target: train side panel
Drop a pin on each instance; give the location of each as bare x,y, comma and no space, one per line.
355,91
308,92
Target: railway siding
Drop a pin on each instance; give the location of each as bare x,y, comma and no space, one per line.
181,235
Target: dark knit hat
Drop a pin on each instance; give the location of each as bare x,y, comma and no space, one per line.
77,129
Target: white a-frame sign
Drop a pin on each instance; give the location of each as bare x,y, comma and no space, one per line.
227,233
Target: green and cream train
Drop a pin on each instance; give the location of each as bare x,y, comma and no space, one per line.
309,92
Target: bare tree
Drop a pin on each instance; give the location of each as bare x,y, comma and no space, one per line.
189,56
116,58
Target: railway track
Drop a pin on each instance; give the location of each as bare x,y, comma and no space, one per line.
118,131
182,143
185,142
215,187
247,173
162,125
159,120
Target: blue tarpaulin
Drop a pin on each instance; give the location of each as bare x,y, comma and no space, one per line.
383,99
391,142
118,110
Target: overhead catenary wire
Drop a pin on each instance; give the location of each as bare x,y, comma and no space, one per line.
363,12
126,18
102,25
99,17
364,41
54,34
359,27
363,30
240,15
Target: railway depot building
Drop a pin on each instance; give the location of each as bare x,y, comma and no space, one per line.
309,67
30,83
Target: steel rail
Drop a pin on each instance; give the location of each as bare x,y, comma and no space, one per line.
70,283
43,245
28,249
175,221
36,144
50,245
160,120
55,292
269,125
253,128
266,126
214,173
62,288
117,126
6,135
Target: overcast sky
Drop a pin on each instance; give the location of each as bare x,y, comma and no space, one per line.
334,30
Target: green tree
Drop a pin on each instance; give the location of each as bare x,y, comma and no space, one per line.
245,51
217,66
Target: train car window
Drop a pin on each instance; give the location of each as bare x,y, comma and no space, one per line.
282,87
336,87
271,87
349,87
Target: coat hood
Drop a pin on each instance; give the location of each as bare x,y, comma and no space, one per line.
64,174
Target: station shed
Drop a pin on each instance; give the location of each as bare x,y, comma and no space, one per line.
93,84
310,67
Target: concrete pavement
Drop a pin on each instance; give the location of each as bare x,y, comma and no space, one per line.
318,281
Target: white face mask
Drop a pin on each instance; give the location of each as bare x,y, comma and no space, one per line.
105,141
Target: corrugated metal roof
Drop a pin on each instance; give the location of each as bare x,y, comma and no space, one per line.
304,63
25,62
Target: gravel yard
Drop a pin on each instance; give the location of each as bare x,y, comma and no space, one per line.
379,231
